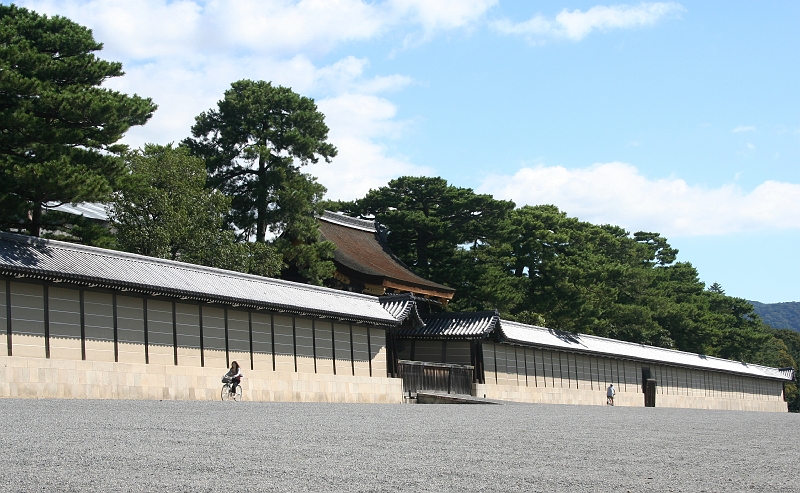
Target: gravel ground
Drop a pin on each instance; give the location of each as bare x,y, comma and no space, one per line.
74,445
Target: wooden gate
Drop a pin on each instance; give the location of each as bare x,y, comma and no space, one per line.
436,377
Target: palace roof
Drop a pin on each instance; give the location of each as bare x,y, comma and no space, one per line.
361,254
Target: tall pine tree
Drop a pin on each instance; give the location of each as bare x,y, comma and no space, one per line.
59,128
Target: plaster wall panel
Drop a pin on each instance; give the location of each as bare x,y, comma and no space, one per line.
614,375
187,328
214,337
323,334
341,349
559,380
544,372
377,341
65,323
603,370
584,372
27,320
99,326
3,319
631,375
489,363
522,370
501,364
428,350
567,371
360,351
304,338
262,341
160,341
239,338
284,343
458,352
530,367
130,329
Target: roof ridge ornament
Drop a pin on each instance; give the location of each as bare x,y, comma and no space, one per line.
351,222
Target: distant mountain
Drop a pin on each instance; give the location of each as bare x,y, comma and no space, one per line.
779,315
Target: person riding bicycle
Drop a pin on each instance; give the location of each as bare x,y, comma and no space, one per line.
235,375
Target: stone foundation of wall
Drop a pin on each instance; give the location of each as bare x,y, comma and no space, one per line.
54,378
598,398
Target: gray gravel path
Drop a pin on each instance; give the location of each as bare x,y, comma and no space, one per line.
73,445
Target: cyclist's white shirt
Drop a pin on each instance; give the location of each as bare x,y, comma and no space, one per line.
232,375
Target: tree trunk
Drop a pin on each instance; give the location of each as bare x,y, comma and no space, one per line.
36,220
261,200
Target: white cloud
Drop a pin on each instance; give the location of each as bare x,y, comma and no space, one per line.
443,14
744,128
576,25
358,122
185,54
616,193
143,29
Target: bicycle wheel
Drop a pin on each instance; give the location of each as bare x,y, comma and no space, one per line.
226,392
238,395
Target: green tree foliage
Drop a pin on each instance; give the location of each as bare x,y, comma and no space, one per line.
254,144
782,350
447,234
164,210
538,265
58,126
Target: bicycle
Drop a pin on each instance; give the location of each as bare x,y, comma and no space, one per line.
226,393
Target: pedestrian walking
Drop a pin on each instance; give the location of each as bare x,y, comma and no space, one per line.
610,393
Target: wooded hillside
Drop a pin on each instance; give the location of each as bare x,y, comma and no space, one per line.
779,315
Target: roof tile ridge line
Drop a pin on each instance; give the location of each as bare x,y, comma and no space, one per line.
135,257
638,344
463,314
349,221
198,295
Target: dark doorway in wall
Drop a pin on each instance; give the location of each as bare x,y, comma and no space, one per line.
648,387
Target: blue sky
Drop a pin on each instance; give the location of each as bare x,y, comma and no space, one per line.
676,117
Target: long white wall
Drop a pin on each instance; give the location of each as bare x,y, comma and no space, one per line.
539,375
52,321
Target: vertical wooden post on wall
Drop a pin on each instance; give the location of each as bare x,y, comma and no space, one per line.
8,316
174,334
413,347
494,358
46,321
200,314
227,352
272,335
294,343
314,342
83,326
369,351
333,345
525,361
116,326
392,370
352,357
250,330
146,342
444,350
